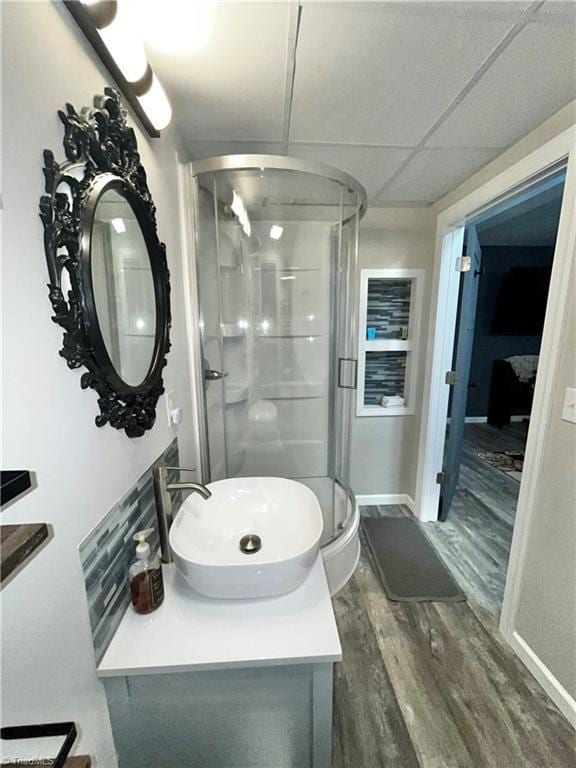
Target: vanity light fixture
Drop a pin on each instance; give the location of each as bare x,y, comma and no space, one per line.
156,105
118,226
110,28
112,20
276,232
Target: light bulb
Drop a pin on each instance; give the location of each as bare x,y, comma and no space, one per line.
125,45
276,232
119,226
156,105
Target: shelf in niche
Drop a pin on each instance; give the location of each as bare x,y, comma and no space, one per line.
388,345
378,410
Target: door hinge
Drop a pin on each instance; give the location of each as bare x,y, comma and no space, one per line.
463,264
442,478
451,378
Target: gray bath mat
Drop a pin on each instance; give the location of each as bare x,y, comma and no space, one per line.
409,568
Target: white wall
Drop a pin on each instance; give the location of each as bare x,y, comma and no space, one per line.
48,421
385,448
546,613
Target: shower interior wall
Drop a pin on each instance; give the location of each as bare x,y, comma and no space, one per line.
267,311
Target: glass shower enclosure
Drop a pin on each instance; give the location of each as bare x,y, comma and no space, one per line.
276,257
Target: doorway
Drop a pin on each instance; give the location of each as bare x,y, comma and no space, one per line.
506,269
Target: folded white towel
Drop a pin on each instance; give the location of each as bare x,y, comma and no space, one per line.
392,401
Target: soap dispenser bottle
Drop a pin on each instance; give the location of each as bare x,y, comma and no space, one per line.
146,582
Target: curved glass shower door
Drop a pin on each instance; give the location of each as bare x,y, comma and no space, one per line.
276,262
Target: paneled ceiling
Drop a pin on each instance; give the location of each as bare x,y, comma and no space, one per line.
409,97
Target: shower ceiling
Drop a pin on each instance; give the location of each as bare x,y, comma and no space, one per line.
410,98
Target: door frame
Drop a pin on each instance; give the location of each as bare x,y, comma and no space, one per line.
442,325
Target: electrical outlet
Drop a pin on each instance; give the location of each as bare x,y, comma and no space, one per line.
569,410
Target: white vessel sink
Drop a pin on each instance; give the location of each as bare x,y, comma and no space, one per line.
208,537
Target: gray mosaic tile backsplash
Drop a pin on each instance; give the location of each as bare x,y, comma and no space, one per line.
385,374
388,307
108,550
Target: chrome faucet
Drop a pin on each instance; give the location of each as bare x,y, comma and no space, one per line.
163,491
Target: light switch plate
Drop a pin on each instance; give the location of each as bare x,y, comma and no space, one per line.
170,405
569,410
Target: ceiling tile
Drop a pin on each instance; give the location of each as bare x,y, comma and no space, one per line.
558,8
434,172
376,74
371,166
533,78
234,87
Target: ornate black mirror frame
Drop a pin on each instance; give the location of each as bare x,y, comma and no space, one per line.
102,154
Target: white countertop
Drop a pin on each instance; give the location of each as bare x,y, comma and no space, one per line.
190,632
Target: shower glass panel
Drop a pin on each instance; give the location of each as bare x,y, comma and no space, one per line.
276,267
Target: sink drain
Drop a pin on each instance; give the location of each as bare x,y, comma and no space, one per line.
250,543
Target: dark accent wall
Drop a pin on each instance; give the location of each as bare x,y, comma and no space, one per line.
496,262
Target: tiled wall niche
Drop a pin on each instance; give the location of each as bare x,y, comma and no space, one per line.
389,337
385,375
388,307
108,550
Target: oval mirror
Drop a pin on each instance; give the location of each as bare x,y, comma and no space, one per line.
123,286
109,281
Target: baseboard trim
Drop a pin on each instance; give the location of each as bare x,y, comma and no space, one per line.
484,419
540,671
384,499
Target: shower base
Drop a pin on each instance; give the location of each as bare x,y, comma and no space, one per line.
341,555
340,548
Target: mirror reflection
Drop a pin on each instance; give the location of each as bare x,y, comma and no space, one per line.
123,287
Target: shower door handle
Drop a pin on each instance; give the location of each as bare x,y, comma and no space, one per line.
211,375
351,361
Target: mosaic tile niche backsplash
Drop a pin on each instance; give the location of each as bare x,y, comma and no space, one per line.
388,309
385,374
108,550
